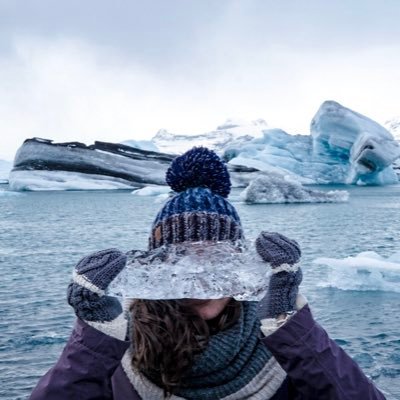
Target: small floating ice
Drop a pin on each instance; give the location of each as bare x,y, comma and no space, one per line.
196,270
152,191
366,271
274,187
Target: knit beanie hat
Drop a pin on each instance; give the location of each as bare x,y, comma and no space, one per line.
199,211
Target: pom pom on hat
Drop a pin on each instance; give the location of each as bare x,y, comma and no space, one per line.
199,167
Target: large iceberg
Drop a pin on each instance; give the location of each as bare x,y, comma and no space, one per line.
277,188
343,147
41,164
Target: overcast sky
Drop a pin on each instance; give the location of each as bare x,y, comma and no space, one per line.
117,70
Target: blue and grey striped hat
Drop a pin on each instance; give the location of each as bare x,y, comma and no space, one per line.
199,211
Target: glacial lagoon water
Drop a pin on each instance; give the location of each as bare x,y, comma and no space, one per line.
43,234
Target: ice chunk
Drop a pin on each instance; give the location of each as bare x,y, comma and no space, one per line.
152,191
277,188
201,270
366,271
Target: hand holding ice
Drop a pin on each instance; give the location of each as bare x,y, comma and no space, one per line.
283,254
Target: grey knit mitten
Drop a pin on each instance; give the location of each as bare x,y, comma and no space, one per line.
86,293
283,255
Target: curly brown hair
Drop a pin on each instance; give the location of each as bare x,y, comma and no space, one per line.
166,336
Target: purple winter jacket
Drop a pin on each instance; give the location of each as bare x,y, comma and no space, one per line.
317,368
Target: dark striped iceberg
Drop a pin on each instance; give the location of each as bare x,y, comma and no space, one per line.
41,164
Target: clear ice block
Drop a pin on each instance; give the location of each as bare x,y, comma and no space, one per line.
201,270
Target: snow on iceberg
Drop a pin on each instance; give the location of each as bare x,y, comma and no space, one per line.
277,188
344,147
193,271
366,271
231,129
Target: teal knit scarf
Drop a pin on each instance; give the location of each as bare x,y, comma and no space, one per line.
230,361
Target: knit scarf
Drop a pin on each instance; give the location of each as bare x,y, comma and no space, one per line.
234,365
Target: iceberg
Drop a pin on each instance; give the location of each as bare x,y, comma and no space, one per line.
344,147
277,188
193,270
365,271
366,146
41,164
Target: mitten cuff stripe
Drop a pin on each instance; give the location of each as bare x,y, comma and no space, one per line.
270,325
286,268
116,328
84,282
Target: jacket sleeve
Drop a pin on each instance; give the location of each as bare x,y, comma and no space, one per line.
316,366
84,368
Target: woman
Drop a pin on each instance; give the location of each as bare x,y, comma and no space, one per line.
192,348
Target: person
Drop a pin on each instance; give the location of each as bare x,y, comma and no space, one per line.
200,349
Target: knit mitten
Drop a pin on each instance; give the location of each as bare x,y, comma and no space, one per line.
283,255
86,293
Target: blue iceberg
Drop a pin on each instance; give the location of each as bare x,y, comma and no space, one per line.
344,147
